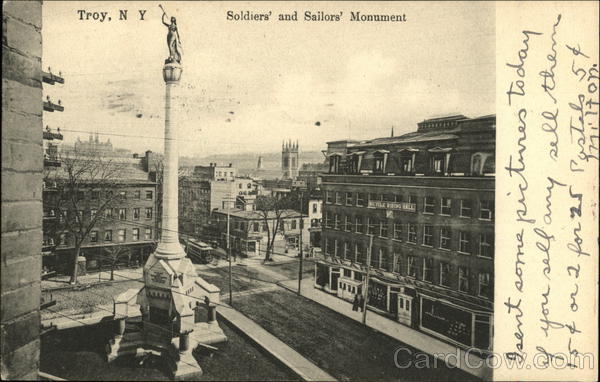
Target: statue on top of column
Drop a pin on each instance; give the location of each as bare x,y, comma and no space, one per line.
173,40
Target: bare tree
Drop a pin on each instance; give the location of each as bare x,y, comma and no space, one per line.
271,209
77,216
115,253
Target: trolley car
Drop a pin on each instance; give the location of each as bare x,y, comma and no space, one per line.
199,252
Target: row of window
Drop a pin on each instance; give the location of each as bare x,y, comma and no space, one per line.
95,195
262,226
431,205
409,233
423,269
107,236
109,213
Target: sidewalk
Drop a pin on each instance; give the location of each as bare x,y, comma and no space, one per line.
412,337
307,370
62,281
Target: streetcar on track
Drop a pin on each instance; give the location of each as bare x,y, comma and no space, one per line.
199,252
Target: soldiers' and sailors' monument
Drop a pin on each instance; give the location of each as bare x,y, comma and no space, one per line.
178,307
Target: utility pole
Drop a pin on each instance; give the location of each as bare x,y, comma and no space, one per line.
366,291
228,249
301,253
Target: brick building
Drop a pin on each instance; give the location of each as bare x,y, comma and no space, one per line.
249,232
123,207
427,200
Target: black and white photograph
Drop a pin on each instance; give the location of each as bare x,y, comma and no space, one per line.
299,191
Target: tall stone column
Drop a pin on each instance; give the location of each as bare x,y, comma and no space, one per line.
169,247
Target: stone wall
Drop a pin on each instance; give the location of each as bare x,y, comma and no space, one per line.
22,162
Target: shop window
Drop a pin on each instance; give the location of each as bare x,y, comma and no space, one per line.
486,245
446,207
428,205
465,208
463,279
445,238
428,235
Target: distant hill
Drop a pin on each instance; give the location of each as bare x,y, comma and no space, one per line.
248,161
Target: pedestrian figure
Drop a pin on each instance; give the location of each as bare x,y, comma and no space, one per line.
361,302
355,303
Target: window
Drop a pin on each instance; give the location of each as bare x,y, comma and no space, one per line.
293,223
360,255
148,212
330,248
108,213
484,284
375,197
398,198
444,274
379,163
383,258
336,221
149,195
411,270
63,239
396,265
123,194
360,199
358,224
109,195
412,233
373,226
108,235
486,210
338,197
137,194
383,228
398,231
122,213
347,250
121,234
148,234
406,165
80,195
93,213
374,258
328,221
328,197
446,207
256,227
80,215
486,245
438,165
136,214
445,238
314,208
94,237
348,198
348,223
334,164
465,208
463,279
95,195
412,199
428,235
135,234
428,205
464,244
428,269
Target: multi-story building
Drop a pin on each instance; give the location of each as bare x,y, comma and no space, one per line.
249,231
123,209
426,200
289,160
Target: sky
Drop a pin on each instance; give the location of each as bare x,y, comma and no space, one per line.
249,85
